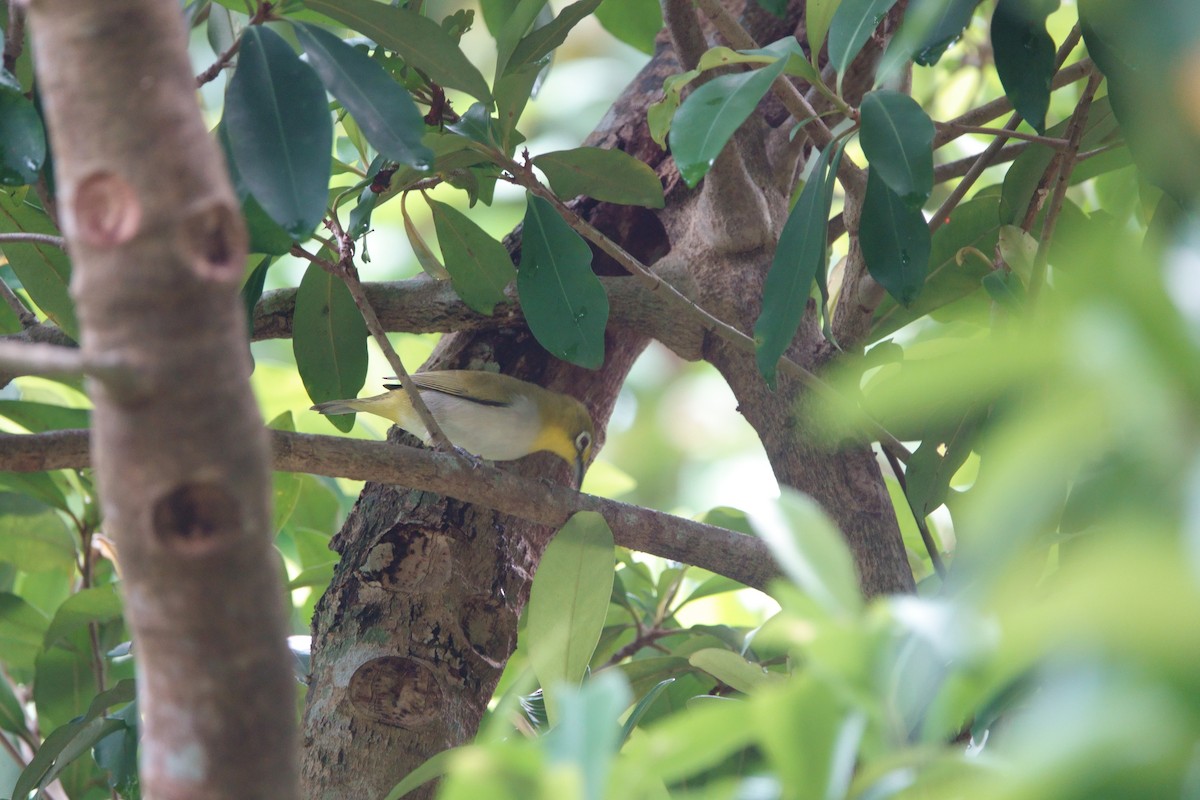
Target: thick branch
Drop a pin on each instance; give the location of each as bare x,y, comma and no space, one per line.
743,558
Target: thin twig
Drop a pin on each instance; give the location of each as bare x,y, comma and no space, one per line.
46,360
26,317
982,162
926,537
1005,132
14,36
261,15
960,167
1066,166
34,238
643,639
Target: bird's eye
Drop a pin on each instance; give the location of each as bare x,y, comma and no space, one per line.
583,441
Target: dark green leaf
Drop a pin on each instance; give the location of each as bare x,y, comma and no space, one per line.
540,42
513,90
520,19
117,753
776,7
478,125
33,535
22,628
800,254
634,22
42,417
1006,289
563,300
329,340
279,131
711,114
895,241
1024,54
382,108
252,289
479,266
360,216
44,271
12,717
928,473
642,707
22,138
568,602
39,485
587,736
420,41
897,138
972,224
851,26
608,175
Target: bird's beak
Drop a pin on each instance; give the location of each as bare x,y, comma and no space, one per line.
578,472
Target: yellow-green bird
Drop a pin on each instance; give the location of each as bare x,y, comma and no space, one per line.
496,417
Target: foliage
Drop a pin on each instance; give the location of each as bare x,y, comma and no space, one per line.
1037,346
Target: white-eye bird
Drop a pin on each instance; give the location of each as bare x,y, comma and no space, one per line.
496,417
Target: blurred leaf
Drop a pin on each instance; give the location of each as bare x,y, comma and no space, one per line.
943,23
44,271
38,485
852,24
12,717
1006,289
711,114
894,239
563,301
22,628
22,137
818,15
433,767
935,462
568,602
33,536
972,224
41,417
382,108
479,266
279,131
634,22
420,41
897,138
685,744
117,753
800,257
642,707
607,175
717,584
588,735
540,42
1018,249
1024,54
811,551
329,340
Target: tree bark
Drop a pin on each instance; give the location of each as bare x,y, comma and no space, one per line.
181,459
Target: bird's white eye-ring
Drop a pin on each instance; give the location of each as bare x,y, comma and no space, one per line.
583,441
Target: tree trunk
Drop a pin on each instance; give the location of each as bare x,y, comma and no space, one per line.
157,247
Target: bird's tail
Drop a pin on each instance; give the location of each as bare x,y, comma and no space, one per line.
339,407
393,406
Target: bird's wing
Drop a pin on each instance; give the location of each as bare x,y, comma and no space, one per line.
447,382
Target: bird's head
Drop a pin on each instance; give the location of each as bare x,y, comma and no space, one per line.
567,431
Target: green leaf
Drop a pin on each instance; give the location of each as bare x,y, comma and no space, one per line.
611,176
22,138
513,90
731,669
1006,289
1024,54
279,131
634,22
42,417
97,604
540,42
942,452
818,14
659,115
972,224
329,340
435,766
425,256
853,23
587,736
895,240
420,41
382,108
12,717
801,253
44,271
479,266
39,485
942,22
642,707
568,602
1019,251
711,114
562,299
117,753
22,628
897,138
33,536
811,551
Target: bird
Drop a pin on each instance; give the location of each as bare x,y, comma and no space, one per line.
495,417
